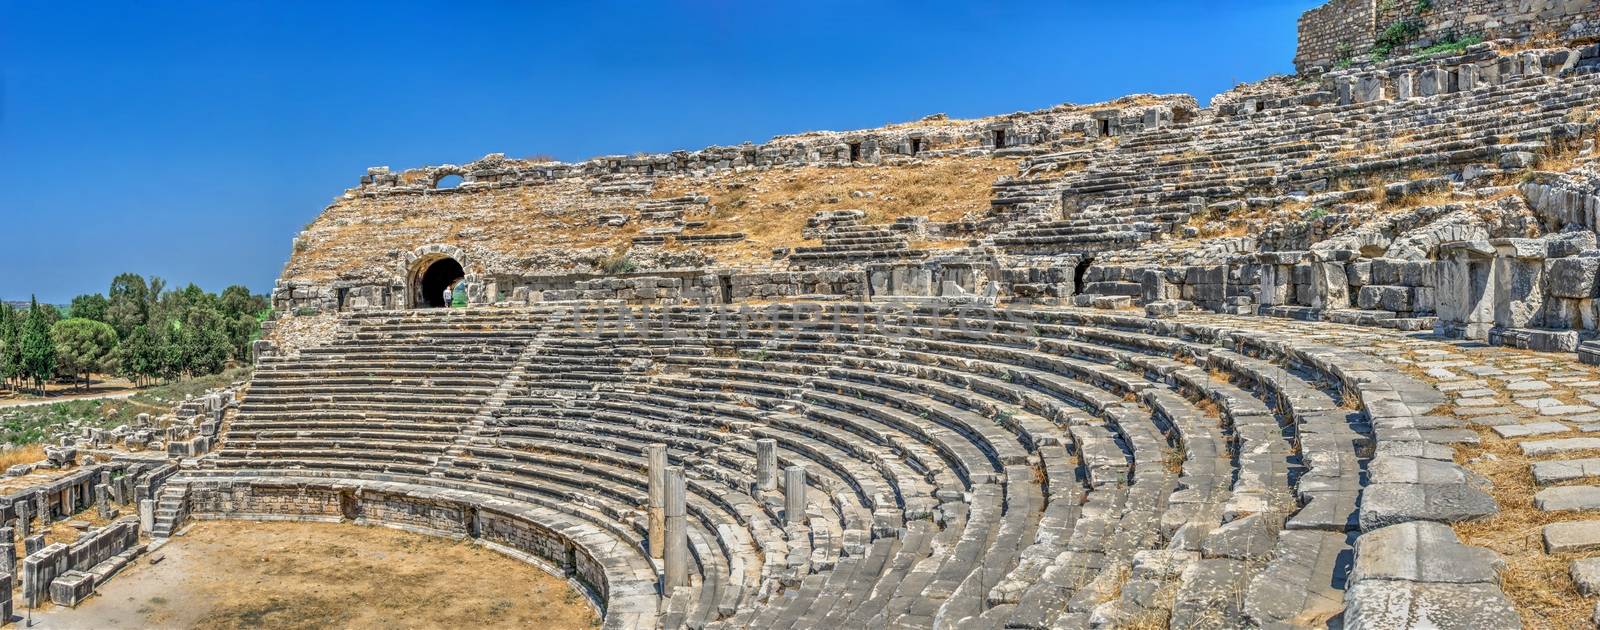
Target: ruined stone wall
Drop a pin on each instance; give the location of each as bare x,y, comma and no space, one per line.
543,543
1343,28
1443,20
1335,30
411,513
244,500
432,514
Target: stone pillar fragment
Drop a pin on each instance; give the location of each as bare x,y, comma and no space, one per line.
656,456
766,464
794,495
8,551
147,514
24,519
102,496
677,531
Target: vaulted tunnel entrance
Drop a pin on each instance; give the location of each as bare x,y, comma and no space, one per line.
1079,273
436,281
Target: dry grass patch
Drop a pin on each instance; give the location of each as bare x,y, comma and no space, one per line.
298,575
1540,584
771,206
21,455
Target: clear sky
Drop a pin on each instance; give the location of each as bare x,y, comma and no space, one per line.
192,140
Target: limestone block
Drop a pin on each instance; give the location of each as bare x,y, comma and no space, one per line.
1385,298
1369,88
1572,277
1385,271
1422,300
1359,273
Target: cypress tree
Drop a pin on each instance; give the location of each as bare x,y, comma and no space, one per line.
10,345
38,351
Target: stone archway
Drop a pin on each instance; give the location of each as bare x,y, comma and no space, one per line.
435,281
433,269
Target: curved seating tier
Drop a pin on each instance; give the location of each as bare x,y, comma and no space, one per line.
1039,469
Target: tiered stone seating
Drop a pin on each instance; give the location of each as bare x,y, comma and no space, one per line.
1150,183
850,242
394,390
1038,469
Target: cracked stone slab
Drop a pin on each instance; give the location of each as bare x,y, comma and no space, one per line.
1422,551
1401,605
1385,504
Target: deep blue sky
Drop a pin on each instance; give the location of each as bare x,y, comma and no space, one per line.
192,140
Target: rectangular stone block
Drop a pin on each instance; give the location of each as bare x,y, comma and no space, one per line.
1385,271
71,588
1359,273
1385,298
1572,277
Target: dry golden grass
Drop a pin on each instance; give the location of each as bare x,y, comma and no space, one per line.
355,235
771,206
1539,583
21,455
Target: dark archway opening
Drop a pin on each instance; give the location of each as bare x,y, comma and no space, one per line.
441,276
1079,274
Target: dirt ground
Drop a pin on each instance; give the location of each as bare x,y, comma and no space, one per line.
99,386
301,575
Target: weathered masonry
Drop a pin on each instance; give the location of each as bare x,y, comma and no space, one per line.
1343,29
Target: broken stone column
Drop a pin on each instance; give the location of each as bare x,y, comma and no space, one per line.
1331,284
794,495
676,572
102,499
44,508
24,519
147,514
766,464
8,552
656,455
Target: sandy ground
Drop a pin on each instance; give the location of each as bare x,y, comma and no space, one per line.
299,575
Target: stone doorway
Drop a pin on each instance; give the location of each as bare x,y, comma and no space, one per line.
435,281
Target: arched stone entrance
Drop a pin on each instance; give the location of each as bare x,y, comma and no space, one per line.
434,280
428,271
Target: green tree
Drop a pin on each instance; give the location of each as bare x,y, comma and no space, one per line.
83,346
10,344
89,306
241,314
128,304
50,313
139,356
38,351
169,352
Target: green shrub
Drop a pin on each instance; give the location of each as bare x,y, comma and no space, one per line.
1451,46
1396,35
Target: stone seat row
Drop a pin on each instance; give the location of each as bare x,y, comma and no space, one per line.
1061,472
